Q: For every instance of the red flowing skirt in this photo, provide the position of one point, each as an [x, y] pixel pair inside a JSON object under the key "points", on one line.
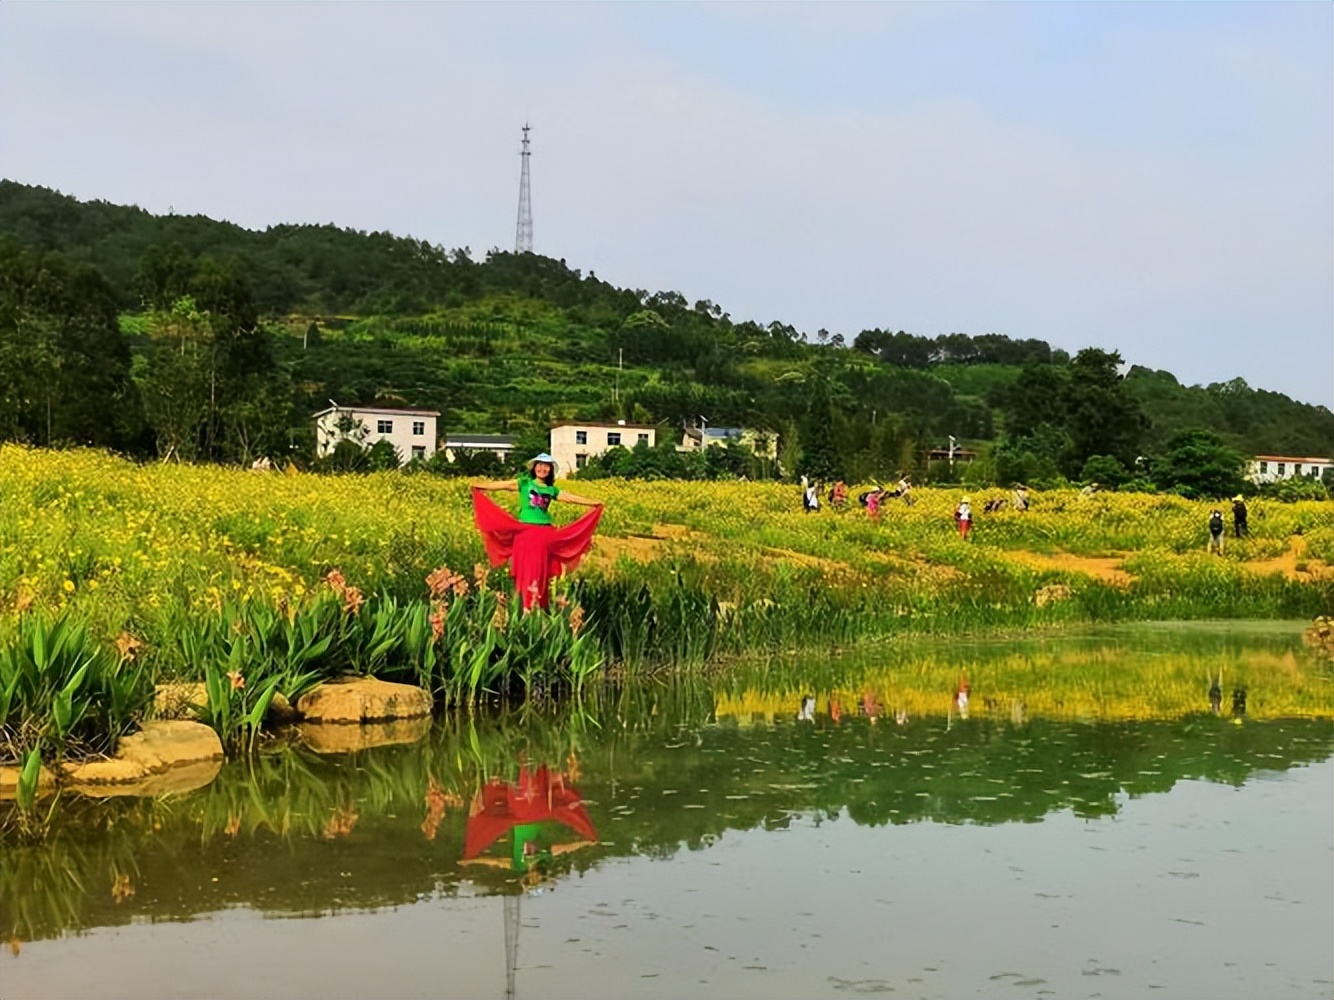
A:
{"points": [[535, 552]]}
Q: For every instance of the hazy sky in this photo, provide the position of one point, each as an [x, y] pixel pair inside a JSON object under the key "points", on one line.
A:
{"points": [[1156, 178]]}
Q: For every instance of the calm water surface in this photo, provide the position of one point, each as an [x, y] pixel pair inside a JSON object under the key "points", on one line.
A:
{"points": [[651, 846]]}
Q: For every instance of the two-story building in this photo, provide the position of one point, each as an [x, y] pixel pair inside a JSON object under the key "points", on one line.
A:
{"points": [[572, 445], [411, 432], [1271, 468]]}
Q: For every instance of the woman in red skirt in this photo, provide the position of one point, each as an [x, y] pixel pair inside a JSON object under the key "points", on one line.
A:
{"points": [[534, 547]]}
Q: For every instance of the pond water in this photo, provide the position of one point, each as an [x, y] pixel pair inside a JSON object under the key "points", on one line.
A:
{"points": [[698, 839]]}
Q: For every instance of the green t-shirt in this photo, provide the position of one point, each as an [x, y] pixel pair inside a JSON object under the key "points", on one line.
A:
{"points": [[535, 500]]}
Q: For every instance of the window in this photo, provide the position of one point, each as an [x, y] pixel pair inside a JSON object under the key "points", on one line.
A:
{"points": [[1296, 468], [580, 461], [1280, 468], [384, 426], [418, 451], [613, 438], [643, 439], [581, 437], [418, 428], [1264, 468]]}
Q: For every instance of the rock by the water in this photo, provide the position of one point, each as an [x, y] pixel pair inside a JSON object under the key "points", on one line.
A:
{"points": [[363, 699]]}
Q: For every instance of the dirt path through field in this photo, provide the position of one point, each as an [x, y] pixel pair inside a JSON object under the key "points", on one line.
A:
{"points": [[1105, 568], [1287, 563]]}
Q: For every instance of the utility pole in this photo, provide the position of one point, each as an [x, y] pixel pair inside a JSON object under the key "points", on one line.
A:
{"points": [[620, 363], [523, 233]]}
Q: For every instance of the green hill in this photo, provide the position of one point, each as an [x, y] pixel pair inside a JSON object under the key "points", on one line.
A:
{"points": [[228, 338]]}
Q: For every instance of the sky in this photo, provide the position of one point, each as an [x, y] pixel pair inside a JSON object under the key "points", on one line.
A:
{"points": [[1152, 178]]}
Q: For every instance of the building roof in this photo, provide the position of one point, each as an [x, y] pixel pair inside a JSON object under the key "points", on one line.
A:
{"points": [[610, 427], [480, 440], [1292, 458], [716, 432], [377, 409]]}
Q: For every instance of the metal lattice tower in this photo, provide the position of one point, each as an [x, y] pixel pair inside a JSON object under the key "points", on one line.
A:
{"points": [[523, 233]]}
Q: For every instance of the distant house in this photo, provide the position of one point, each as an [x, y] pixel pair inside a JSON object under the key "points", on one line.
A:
{"points": [[1271, 468], [759, 442], [498, 444], [411, 432], [964, 455], [572, 445]]}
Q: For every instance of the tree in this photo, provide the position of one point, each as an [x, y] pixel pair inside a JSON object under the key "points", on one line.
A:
{"points": [[64, 364], [1106, 470], [1100, 416], [174, 380], [1198, 464]]}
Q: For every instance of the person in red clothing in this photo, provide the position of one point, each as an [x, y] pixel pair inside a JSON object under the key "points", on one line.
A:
{"points": [[532, 544]]}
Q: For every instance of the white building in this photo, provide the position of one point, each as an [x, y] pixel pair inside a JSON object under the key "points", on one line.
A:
{"points": [[572, 445], [760, 443], [411, 432], [499, 445], [1272, 468]]}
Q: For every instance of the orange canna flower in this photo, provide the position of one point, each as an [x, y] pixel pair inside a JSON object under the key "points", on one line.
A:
{"points": [[238, 682], [352, 600], [128, 645]]}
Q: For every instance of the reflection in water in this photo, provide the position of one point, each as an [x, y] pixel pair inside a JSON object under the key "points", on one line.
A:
{"points": [[532, 811], [659, 768]]}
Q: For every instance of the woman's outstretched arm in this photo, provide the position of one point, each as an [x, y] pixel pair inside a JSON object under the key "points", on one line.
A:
{"points": [[577, 499], [507, 485]]}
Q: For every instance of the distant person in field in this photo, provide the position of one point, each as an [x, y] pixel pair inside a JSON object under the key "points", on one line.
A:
{"points": [[534, 547], [904, 491], [872, 500], [1239, 517], [1020, 499], [810, 499], [838, 496], [1089, 490], [963, 517], [961, 697], [1215, 531]]}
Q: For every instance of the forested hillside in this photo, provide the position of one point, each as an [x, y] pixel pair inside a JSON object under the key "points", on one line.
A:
{"points": [[187, 337]]}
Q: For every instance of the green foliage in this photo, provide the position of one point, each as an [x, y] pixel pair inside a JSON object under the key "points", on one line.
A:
{"points": [[64, 364], [1105, 470], [1198, 464], [60, 691]]}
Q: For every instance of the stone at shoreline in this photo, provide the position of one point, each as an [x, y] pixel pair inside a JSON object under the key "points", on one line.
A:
{"points": [[340, 737], [165, 755], [363, 699], [9, 780]]}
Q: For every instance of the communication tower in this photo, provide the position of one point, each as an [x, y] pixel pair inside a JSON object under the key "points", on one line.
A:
{"points": [[523, 233]]}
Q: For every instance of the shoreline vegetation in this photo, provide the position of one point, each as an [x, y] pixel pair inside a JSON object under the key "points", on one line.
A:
{"points": [[116, 577]]}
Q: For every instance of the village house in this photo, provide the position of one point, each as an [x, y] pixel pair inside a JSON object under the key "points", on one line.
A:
{"points": [[411, 432], [499, 445], [572, 445], [1271, 468], [760, 443]]}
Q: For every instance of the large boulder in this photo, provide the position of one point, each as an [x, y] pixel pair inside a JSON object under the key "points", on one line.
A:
{"points": [[363, 699]]}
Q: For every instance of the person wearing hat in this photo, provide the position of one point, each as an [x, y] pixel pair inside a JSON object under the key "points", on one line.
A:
{"points": [[1239, 516], [535, 548], [963, 517]]}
